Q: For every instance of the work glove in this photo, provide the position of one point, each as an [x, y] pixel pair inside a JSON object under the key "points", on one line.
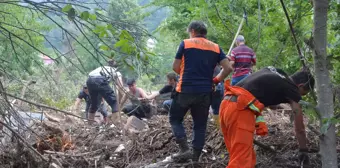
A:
{"points": [[216, 81], [303, 158], [261, 127]]}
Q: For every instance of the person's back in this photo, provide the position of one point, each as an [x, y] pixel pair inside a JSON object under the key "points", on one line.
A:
{"points": [[271, 87], [243, 56], [98, 86], [105, 71], [243, 59], [199, 57], [195, 62]]}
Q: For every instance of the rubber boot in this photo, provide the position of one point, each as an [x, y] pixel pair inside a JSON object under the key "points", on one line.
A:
{"points": [[115, 118], [91, 117], [196, 153], [184, 153]]}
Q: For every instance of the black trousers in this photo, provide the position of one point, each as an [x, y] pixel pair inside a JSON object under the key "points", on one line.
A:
{"points": [[99, 87], [199, 104], [140, 111]]}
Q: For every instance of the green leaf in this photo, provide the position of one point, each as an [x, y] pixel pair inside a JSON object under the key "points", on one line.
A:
{"points": [[98, 29], [334, 120], [104, 47], [121, 43], [71, 14], [93, 16], [85, 15], [112, 54], [102, 34], [67, 8], [126, 35]]}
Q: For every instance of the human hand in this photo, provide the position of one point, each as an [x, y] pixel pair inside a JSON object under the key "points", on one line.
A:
{"points": [[216, 81], [261, 129]]}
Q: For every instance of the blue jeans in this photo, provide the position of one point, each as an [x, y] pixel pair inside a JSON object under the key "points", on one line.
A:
{"points": [[199, 104], [167, 104], [235, 80]]}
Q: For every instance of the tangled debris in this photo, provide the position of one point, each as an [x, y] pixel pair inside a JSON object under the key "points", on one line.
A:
{"points": [[74, 144]]}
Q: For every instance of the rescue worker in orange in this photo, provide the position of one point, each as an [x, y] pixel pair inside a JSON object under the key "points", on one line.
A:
{"points": [[240, 111], [195, 61]]}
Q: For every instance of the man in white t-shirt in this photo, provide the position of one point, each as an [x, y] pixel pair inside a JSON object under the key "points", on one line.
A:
{"points": [[98, 86]]}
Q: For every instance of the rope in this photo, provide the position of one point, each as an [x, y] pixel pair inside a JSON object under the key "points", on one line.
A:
{"points": [[294, 37]]}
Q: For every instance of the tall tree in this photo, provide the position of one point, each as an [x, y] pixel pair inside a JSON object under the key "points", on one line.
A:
{"points": [[323, 83]]}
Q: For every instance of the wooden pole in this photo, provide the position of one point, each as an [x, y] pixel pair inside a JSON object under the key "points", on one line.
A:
{"points": [[238, 31]]}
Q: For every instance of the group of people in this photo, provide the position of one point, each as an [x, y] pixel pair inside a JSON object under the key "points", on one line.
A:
{"points": [[243, 99], [237, 104], [97, 90]]}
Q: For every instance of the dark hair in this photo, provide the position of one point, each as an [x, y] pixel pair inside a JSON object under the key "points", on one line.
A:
{"points": [[198, 27], [171, 76], [112, 63], [130, 82], [303, 77], [84, 87]]}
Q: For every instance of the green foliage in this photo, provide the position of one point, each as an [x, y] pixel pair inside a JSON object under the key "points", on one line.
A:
{"points": [[269, 35], [144, 82], [67, 8], [17, 55], [85, 15], [60, 104]]}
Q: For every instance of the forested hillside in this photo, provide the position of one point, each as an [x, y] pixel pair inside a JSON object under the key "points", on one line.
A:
{"points": [[49, 47]]}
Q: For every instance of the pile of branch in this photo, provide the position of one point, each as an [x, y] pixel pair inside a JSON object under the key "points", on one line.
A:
{"points": [[66, 141]]}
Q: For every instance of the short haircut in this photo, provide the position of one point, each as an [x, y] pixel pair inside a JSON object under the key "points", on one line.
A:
{"points": [[304, 77], [198, 27], [112, 63], [130, 82], [240, 38], [171, 76]]}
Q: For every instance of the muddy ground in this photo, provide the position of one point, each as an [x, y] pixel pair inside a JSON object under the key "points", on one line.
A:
{"points": [[78, 145]]}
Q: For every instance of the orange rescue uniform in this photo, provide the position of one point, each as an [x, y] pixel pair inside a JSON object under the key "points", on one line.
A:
{"points": [[237, 118]]}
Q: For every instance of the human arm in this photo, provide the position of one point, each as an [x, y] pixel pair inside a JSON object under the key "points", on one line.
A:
{"points": [[76, 104], [81, 96], [231, 58], [226, 68], [164, 90], [177, 64], [253, 58], [299, 125], [153, 95], [142, 94]]}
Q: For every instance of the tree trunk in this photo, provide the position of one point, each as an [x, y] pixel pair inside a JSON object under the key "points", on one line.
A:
{"points": [[323, 83]]}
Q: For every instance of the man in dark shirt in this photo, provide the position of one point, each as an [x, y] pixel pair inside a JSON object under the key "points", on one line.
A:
{"points": [[195, 61], [84, 94], [242, 59], [169, 88], [267, 87]]}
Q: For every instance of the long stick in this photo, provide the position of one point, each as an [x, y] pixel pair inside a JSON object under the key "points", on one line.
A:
{"points": [[238, 31], [41, 105], [293, 33]]}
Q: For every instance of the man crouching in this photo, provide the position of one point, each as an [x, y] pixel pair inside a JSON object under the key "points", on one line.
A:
{"points": [[240, 111]]}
